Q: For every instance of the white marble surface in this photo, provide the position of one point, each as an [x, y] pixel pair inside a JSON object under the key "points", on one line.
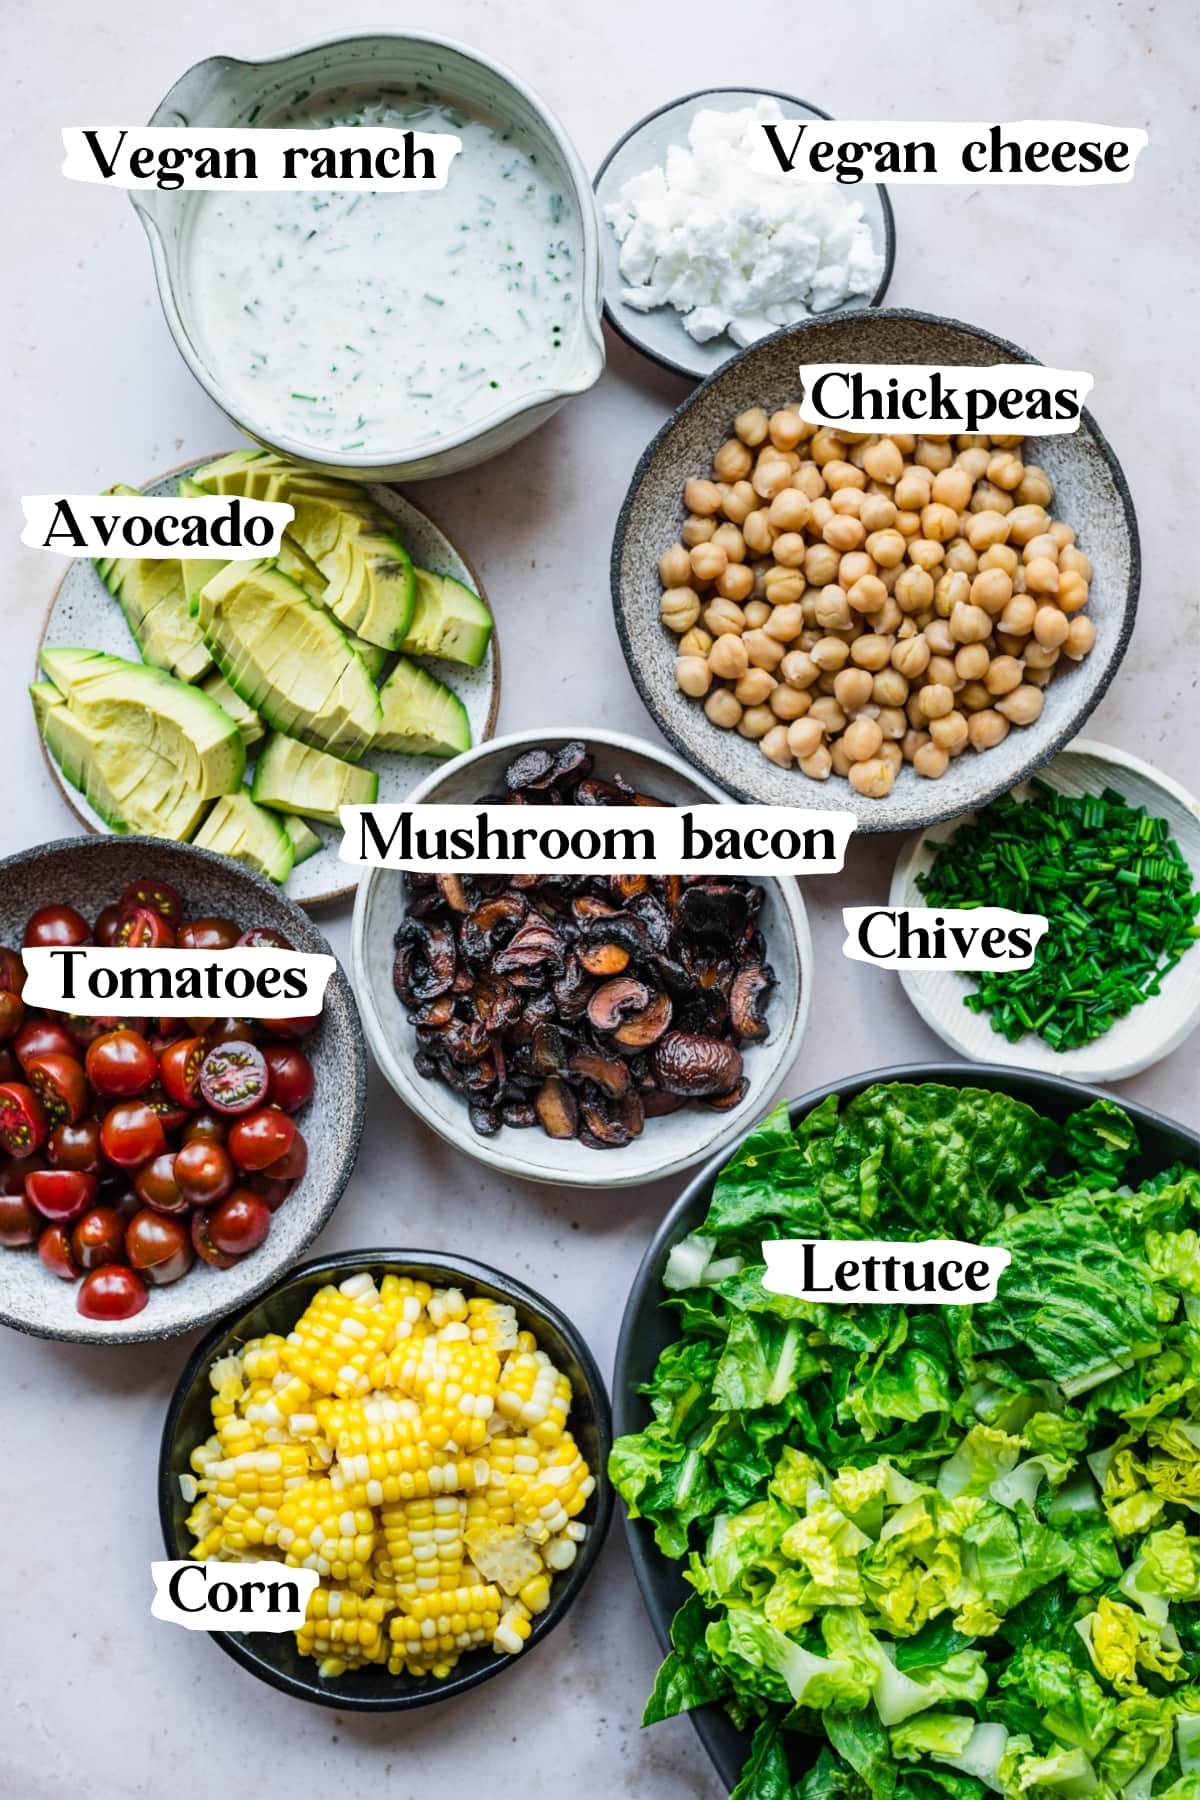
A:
{"points": [[97, 1697]]}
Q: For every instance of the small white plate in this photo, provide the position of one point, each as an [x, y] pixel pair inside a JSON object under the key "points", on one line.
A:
{"points": [[84, 613], [1152, 1030], [660, 334]]}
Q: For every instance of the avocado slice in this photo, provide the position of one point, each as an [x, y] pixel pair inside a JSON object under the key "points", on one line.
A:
{"points": [[288, 659], [44, 695], [305, 841], [131, 790], [421, 715], [238, 473], [448, 620], [152, 594], [238, 828], [293, 777], [150, 713], [244, 717], [372, 590]]}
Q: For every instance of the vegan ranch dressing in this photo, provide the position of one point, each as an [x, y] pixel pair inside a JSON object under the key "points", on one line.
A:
{"points": [[367, 321]]}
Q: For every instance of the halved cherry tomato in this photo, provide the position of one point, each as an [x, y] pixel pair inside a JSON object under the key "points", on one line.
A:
{"points": [[160, 1249], [52, 926], [132, 1134], [22, 1121], [239, 1223], [233, 1078], [203, 1244], [19, 1222], [147, 890], [264, 937], [207, 934], [121, 1064], [204, 1173], [60, 1085], [169, 1112], [261, 1138], [273, 1192], [12, 1015], [54, 1249], [43, 1037], [157, 1187], [291, 1164], [98, 1237], [61, 1194], [141, 928], [111, 1293], [75, 1146], [12, 972], [289, 1076], [179, 1070], [105, 930]]}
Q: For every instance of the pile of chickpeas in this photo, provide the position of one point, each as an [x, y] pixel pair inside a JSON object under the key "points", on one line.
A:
{"points": [[853, 603]]}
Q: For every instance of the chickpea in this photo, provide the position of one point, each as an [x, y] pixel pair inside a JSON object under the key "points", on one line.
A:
{"points": [[883, 462], [872, 778], [675, 567], [1041, 545], [799, 669], [842, 533], [911, 742], [913, 489], [1025, 522], [757, 534], [826, 711], [911, 657], [862, 739], [986, 729], [679, 608], [783, 587], [822, 512], [785, 623], [886, 548], [877, 512], [991, 591], [833, 609], [774, 746], [950, 734], [757, 613], [913, 590], [724, 616], [696, 642], [892, 755], [951, 590], [952, 487], [808, 479], [939, 637], [751, 426], [1036, 487], [969, 624], [871, 651], [1081, 635], [1006, 471], [1073, 560], [1041, 575], [990, 498], [933, 453], [838, 757], [826, 447], [935, 701], [709, 561], [1039, 657], [1003, 675], [1018, 616], [702, 497], [729, 658], [756, 721], [1050, 627], [738, 502], [972, 662], [821, 565], [972, 697], [893, 722], [723, 708], [731, 541], [1072, 591], [938, 522], [817, 766], [830, 654], [961, 557], [843, 475], [755, 687], [764, 651], [888, 687], [923, 553], [888, 620], [697, 530], [733, 461], [790, 510], [805, 736], [772, 473], [868, 595], [942, 670], [1062, 533], [789, 550], [985, 528], [1022, 706], [931, 761], [735, 582], [786, 428], [907, 522], [852, 689]]}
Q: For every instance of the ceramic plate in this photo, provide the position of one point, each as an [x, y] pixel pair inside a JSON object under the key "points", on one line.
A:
{"points": [[660, 334], [1148, 1033], [83, 612], [1091, 493], [89, 873]]}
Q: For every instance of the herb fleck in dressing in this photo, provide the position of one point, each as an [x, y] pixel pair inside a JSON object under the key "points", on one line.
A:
{"points": [[367, 321]]}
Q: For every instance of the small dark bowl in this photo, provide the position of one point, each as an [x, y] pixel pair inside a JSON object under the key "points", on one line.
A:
{"points": [[272, 1656], [647, 1328]]}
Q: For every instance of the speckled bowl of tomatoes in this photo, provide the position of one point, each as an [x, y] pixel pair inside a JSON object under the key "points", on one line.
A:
{"points": [[157, 1173]]}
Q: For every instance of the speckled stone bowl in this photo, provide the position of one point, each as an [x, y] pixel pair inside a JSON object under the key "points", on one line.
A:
{"points": [[88, 873], [1091, 494]]}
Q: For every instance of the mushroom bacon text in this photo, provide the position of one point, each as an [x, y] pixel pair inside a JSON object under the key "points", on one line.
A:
{"points": [[584, 1004]]}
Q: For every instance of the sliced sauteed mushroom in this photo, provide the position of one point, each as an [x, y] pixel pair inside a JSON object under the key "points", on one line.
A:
{"points": [[583, 1004]]}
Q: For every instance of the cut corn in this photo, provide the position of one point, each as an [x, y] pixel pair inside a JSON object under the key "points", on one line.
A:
{"points": [[411, 1445]]}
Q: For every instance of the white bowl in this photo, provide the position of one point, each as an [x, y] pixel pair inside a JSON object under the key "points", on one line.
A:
{"points": [[667, 1144], [1152, 1030]]}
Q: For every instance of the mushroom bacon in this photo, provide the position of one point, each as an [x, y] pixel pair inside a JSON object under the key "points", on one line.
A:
{"points": [[583, 1004]]}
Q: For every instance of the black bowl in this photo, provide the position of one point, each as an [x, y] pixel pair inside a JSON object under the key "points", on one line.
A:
{"points": [[647, 1329], [273, 1657]]}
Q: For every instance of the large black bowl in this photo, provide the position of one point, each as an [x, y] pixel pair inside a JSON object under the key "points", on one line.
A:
{"points": [[273, 1656], [647, 1328]]}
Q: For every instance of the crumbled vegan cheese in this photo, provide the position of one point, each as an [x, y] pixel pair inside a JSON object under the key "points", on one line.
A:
{"points": [[732, 249]]}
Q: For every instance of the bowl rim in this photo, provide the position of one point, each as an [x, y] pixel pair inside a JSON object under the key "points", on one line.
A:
{"points": [[334, 896], [232, 1643], [394, 1063], [710, 1722], [591, 361], [133, 1332], [869, 822], [624, 332], [943, 1022]]}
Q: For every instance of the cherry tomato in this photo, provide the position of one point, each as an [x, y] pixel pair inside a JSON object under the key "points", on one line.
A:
{"points": [[207, 934], [61, 1194], [141, 928], [12, 972], [54, 1249], [157, 1187], [160, 1249], [105, 929], [114, 1292], [98, 1237], [58, 1082], [10, 1068], [206, 1128], [289, 1076], [20, 1223], [261, 1138], [239, 1223], [160, 896], [75, 1146], [22, 1120], [264, 937], [296, 1028], [120, 1064], [291, 1164], [204, 1173], [179, 1070], [171, 1115], [233, 1078], [86, 1031], [228, 1031], [203, 1244], [273, 1192], [43, 1037], [132, 1134], [54, 926], [12, 1015]]}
